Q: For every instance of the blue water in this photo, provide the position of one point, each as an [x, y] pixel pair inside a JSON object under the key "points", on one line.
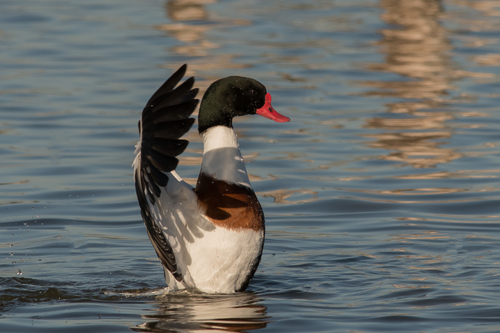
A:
{"points": [[381, 196]]}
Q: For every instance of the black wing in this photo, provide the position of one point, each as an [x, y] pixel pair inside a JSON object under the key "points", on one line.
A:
{"points": [[164, 120]]}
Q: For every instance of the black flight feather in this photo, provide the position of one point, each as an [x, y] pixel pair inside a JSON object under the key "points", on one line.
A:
{"points": [[169, 84], [172, 97], [164, 120]]}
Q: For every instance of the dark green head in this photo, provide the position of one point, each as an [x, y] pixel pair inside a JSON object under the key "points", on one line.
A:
{"points": [[231, 97]]}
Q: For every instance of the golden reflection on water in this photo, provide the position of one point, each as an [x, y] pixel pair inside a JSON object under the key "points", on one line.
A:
{"points": [[417, 49], [415, 128], [455, 174], [282, 196], [186, 10], [486, 21], [195, 44], [487, 8]]}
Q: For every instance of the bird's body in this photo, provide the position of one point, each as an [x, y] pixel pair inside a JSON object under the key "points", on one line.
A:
{"points": [[209, 237]]}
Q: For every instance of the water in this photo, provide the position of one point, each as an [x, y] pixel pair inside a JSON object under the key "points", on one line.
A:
{"points": [[381, 196]]}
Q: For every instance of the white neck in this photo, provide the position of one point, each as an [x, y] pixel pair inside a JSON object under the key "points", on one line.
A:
{"points": [[222, 157], [219, 137]]}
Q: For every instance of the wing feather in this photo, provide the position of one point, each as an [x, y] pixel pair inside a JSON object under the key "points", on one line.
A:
{"points": [[164, 120]]}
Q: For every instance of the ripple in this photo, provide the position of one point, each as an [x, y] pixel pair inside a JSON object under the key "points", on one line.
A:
{"points": [[380, 195]]}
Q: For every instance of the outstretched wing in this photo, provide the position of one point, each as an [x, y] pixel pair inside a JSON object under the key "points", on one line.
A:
{"points": [[164, 120]]}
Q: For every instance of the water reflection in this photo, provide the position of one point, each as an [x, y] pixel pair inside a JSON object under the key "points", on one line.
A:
{"points": [[182, 312], [187, 10], [481, 16], [283, 195], [189, 23], [181, 13], [417, 48]]}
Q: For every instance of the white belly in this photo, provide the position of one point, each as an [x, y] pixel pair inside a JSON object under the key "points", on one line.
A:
{"points": [[220, 261]]}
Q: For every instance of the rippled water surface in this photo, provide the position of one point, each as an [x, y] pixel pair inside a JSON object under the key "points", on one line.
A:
{"points": [[382, 196]]}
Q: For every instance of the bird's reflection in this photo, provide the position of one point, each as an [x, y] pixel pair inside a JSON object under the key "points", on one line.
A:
{"points": [[185, 312]]}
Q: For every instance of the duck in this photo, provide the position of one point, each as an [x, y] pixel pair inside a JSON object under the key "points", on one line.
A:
{"points": [[210, 237]]}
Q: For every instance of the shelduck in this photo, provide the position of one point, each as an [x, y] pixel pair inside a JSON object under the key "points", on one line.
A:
{"points": [[210, 237]]}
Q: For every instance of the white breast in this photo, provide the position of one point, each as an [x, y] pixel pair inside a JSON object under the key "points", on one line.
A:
{"points": [[221, 260], [222, 157]]}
